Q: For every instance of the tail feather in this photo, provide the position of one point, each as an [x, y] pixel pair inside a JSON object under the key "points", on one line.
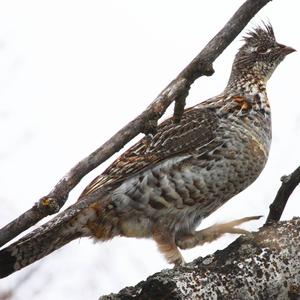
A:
{"points": [[62, 229], [37, 244]]}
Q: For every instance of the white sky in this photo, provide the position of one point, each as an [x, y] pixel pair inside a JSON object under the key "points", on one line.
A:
{"points": [[74, 72]]}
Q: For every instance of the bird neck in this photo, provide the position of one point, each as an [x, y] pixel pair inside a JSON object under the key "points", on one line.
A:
{"points": [[246, 95], [247, 84], [243, 96]]}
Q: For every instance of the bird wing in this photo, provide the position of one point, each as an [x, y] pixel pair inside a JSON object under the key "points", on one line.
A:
{"points": [[195, 130]]}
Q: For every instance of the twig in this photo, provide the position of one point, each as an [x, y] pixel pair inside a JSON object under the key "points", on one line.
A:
{"points": [[288, 185], [146, 122]]}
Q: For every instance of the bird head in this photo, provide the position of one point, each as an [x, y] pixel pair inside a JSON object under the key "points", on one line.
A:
{"points": [[260, 54]]}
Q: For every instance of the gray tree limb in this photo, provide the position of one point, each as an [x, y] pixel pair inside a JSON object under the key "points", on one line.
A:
{"points": [[262, 265], [146, 122]]}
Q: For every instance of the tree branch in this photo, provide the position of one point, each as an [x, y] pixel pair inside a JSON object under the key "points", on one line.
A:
{"points": [[288, 185], [262, 265], [146, 122]]}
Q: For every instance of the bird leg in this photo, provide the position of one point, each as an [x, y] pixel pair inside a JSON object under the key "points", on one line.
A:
{"points": [[209, 234], [167, 246]]}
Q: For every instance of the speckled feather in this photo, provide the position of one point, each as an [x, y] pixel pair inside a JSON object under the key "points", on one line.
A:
{"points": [[196, 130], [165, 184]]}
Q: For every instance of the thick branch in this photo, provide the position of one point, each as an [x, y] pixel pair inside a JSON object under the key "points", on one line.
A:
{"points": [[146, 122], [262, 265], [288, 185]]}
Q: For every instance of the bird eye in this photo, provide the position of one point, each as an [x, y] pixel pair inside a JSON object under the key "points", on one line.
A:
{"points": [[262, 49]]}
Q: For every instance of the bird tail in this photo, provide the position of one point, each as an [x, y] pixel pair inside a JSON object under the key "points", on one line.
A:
{"points": [[39, 243]]}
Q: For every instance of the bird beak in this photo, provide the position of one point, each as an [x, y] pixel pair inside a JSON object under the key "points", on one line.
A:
{"points": [[286, 49]]}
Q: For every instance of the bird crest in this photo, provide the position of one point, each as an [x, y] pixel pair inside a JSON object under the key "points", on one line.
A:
{"points": [[260, 35]]}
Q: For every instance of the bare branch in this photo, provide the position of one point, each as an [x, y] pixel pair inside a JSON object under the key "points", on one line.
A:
{"points": [[253, 267], [288, 185], [146, 122]]}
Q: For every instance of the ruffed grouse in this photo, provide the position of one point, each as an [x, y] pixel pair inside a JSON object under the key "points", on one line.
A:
{"points": [[165, 184]]}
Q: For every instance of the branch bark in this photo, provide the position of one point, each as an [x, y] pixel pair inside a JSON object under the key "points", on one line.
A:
{"points": [[262, 265], [146, 122]]}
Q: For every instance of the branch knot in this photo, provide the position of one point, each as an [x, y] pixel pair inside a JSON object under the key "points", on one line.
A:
{"points": [[49, 205]]}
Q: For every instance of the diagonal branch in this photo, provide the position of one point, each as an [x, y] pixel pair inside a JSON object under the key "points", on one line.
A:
{"points": [[146, 122]]}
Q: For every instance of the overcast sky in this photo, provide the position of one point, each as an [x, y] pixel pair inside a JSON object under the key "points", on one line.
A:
{"points": [[74, 72]]}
